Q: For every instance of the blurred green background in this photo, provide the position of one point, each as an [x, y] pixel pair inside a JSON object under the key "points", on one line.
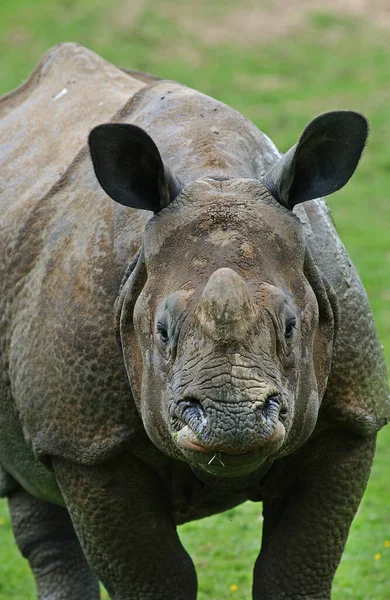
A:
{"points": [[280, 64]]}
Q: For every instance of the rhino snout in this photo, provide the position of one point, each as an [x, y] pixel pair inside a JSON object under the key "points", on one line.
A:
{"points": [[227, 427]]}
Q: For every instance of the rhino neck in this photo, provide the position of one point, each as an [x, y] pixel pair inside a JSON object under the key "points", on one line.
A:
{"points": [[200, 137]]}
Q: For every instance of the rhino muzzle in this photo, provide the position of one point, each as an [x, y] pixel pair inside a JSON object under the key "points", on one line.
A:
{"points": [[230, 428]]}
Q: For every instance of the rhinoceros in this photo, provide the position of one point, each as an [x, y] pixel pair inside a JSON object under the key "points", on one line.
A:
{"points": [[200, 341]]}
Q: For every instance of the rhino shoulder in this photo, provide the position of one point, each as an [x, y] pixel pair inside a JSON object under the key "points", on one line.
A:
{"points": [[357, 394]]}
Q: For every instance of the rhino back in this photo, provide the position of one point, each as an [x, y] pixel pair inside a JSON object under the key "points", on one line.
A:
{"points": [[198, 136], [45, 122]]}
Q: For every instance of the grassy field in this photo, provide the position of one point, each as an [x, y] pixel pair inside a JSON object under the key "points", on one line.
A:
{"points": [[285, 65]]}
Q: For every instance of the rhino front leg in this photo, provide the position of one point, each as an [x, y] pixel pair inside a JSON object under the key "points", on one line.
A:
{"points": [[45, 536], [120, 513], [305, 530]]}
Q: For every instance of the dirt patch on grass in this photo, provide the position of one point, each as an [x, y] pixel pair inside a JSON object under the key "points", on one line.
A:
{"points": [[251, 24], [18, 37], [125, 14]]}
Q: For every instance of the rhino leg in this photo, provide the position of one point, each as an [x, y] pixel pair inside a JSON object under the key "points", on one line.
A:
{"points": [[121, 514], [45, 536], [306, 527]]}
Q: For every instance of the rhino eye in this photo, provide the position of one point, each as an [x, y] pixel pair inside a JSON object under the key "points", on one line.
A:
{"points": [[290, 326], [162, 330]]}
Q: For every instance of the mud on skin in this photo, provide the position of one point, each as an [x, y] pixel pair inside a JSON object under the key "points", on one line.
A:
{"points": [[181, 330]]}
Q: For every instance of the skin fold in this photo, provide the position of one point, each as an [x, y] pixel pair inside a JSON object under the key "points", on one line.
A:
{"points": [[197, 339]]}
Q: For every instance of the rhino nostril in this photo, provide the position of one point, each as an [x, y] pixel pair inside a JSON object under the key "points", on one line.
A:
{"points": [[272, 404], [190, 409], [189, 401], [272, 399], [283, 413]]}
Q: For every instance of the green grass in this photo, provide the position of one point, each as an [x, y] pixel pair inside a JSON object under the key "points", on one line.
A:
{"points": [[330, 61]]}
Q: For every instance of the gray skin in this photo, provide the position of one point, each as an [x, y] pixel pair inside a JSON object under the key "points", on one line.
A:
{"points": [[155, 375]]}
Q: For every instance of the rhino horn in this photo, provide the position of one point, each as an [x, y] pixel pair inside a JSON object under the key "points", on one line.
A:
{"points": [[226, 309]]}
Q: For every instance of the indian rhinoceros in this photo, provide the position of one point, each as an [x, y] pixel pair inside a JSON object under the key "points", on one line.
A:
{"points": [[201, 341]]}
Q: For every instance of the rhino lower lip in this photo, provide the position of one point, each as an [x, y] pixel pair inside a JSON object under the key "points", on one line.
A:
{"points": [[187, 439], [194, 446]]}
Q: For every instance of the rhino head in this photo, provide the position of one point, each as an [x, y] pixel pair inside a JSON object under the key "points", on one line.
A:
{"points": [[226, 324]]}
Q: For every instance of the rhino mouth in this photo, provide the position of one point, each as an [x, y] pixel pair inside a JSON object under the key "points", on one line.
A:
{"points": [[196, 438], [225, 464]]}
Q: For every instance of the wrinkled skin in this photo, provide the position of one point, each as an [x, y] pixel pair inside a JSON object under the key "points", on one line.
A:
{"points": [[154, 375]]}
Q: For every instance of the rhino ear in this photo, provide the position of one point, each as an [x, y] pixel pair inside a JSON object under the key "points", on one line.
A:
{"points": [[322, 161], [129, 167]]}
